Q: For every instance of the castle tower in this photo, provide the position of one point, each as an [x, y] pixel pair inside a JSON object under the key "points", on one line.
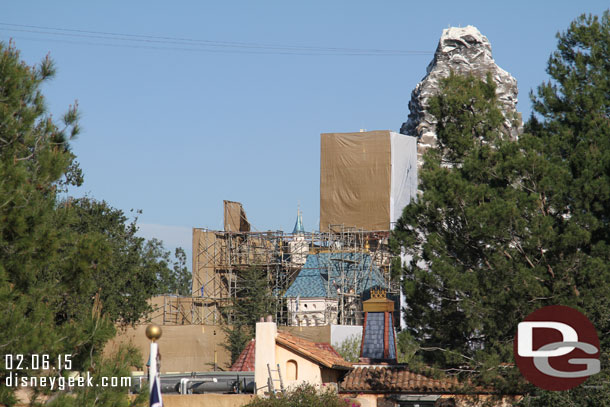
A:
{"points": [[378, 337], [298, 226], [299, 249]]}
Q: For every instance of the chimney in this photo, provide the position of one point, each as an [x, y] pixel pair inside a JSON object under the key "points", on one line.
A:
{"points": [[378, 337], [264, 353]]}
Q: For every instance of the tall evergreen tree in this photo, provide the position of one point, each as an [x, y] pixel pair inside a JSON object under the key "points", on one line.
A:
{"points": [[504, 227], [69, 270], [573, 128], [34, 157]]}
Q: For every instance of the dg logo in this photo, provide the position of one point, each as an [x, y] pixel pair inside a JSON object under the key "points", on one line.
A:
{"points": [[556, 348]]}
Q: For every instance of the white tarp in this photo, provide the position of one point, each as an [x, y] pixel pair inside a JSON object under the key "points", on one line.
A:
{"points": [[404, 173]]}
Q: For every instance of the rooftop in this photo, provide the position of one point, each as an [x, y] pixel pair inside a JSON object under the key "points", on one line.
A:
{"points": [[322, 353], [314, 280], [393, 379], [319, 352], [245, 360]]}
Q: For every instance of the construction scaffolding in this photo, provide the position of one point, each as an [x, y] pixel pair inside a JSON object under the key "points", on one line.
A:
{"points": [[220, 257]]}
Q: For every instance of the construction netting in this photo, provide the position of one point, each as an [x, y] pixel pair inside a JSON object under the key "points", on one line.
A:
{"points": [[366, 178]]}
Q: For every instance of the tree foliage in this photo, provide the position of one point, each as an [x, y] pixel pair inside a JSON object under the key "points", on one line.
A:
{"points": [[305, 395], [504, 227], [573, 128], [69, 270], [127, 269], [117, 365], [253, 301], [349, 348]]}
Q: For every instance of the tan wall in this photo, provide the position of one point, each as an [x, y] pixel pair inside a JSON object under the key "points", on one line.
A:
{"points": [[202, 400], [307, 371], [183, 348], [173, 310], [264, 354], [190, 348]]}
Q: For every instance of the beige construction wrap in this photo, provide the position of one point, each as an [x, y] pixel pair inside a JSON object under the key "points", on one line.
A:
{"points": [[355, 180], [366, 178]]}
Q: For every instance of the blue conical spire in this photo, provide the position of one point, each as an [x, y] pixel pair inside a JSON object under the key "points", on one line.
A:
{"points": [[298, 226]]}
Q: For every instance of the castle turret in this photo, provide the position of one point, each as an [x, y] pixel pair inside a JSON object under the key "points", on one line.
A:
{"points": [[299, 249], [298, 226]]}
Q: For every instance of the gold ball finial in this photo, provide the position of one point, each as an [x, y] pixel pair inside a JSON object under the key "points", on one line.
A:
{"points": [[153, 332]]}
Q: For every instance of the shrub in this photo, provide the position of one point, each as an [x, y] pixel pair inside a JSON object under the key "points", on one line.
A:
{"points": [[305, 395]]}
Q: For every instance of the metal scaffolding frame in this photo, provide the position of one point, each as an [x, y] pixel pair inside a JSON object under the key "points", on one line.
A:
{"points": [[219, 258]]}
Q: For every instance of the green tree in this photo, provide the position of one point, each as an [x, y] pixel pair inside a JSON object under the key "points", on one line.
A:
{"points": [[127, 269], [253, 301], [35, 160], [573, 128], [172, 276], [115, 366], [462, 282], [504, 227], [349, 348], [406, 346], [69, 270]]}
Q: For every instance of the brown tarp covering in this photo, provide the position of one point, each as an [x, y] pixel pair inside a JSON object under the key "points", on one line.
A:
{"points": [[235, 219], [206, 256], [355, 180]]}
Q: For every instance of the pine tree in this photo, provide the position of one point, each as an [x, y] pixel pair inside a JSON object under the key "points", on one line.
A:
{"points": [[35, 160], [466, 232], [253, 301], [572, 125], [69, 270], [504, 227]]}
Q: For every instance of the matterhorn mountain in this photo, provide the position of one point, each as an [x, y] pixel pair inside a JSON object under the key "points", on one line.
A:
{"points": [[463, 51]]}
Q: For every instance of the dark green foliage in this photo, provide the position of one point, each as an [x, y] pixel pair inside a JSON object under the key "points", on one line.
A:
{"points": [[574, 132], [126, 269], [117, 366], [252, 302], [34, 156], [504, 227], [465, 279], [71, 270], [306, 396], [407, 346]]}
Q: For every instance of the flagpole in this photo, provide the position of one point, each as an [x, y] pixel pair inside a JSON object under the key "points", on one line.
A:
{"points": [[153, 332]]}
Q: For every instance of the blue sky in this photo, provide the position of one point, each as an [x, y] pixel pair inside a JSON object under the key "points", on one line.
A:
{"points": [[173, 131]]}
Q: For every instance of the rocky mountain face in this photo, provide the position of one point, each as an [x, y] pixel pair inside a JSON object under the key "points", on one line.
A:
{"points": [[463, 51]]}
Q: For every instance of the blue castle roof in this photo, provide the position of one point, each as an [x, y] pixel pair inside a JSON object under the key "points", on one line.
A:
{"points": [[360, 272], [298, 226]]}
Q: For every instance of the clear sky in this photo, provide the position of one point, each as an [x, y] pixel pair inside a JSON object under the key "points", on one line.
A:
{"points": [[173, 127]]}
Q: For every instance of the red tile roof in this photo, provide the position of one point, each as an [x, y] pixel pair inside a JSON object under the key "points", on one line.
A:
{"points": [[319, 352], [391, 379], [245, 360]]}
